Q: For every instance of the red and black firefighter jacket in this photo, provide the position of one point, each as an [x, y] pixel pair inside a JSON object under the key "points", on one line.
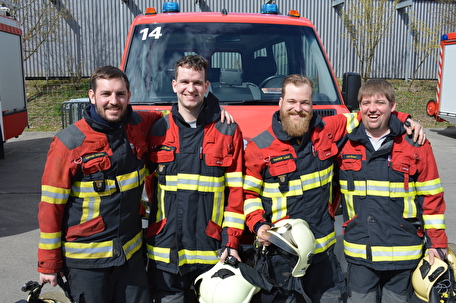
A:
{"points": [[289, 177], [91, 193], [197, 204], [392, 200]]}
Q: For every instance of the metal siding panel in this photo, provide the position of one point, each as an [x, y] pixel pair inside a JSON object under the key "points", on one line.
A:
{"points": [[95, 33]]}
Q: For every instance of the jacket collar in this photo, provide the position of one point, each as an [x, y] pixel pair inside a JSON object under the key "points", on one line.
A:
{"points": [[359, 133], [210, 111], [95, 121]]}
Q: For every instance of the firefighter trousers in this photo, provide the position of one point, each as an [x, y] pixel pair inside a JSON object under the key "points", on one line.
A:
{"points": [[120, 284], [367, 285]]}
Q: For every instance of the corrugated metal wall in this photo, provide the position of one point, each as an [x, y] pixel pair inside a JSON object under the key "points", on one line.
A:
{"points": [[93, 34]]}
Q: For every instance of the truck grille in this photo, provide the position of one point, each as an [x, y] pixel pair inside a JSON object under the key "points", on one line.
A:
{"points": [[325, 112]]}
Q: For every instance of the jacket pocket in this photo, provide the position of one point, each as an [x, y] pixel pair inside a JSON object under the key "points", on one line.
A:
{"points": [[85, 229], [350, 224], [328, 151], [95, 163], [155, 228], [214, 230], [351, 162], [282, 165], [218, 159], [404, 167], [163, 154]]}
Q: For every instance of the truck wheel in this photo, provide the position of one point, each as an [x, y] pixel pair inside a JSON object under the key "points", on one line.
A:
{"points": [[430, 108]]}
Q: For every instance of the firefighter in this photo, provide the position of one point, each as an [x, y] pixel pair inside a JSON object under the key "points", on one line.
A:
{"points": [[393, 203], [89, 214], [197, 200], [289, 174]]}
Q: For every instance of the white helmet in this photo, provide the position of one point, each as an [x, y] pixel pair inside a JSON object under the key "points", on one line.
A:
{"points": [[295, 237], [224, 283], [432, 283]]}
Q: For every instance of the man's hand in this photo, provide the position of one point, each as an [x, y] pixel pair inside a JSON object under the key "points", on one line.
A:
{"points": [[262, 240], [229, 252], [412, 127], [225, 116], [433, 252], [49, 278]]}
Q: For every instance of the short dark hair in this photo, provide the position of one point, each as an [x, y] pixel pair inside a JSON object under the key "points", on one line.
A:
{"points": [[195, 62], [296, 80], [377, 86], [108, 72]]}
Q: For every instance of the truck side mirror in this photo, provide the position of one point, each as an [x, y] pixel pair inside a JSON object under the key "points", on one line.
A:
{"points": [[351, 82]]}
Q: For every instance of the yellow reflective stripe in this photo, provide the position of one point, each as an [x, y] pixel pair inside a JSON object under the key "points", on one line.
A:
{"points": [[98, 250], [187, 256], [218, 207], [84, 189], [54, 195], [234, 179], [355, 250], [131, 180], [133, 245], [322, 244], [234, 220], [396, 253], [158, 253], [434, 221], [90, 208], [252, 184], [410, 209], [379, 188], [194, 182], [352, 122], [297, 187], [161, 204], [278, 208], [50, 240], [349, 206], [431, 187], [251, 205], [384, 253], [317, 179]]}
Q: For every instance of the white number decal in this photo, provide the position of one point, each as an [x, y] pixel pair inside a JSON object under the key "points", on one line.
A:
{"points": [[155, 33]]}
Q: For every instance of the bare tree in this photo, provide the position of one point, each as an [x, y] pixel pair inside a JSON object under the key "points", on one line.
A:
{"points": [[367, 22], [39, 25]]}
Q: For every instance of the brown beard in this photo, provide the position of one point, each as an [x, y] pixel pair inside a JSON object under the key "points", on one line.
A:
{"points": [[293, 129]]}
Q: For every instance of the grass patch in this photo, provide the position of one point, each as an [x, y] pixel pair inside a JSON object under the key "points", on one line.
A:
{"points": [[44, 99]]}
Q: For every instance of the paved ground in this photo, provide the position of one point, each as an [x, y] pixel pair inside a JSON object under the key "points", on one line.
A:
{"points": [[20, 174]]}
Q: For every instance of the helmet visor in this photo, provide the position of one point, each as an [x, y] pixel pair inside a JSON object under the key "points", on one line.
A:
{"points": [[282, 238]]}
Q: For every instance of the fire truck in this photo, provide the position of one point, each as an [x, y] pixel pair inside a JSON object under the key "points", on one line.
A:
{"points": [[13, 103], [444, 108], [249, 55]]}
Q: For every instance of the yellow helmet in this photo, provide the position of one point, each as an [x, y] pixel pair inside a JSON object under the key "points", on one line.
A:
{"points": [[224, 283], [294, 237], [435, 283]]}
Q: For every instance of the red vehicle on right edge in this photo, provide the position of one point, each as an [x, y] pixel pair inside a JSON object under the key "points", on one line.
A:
{"points": [[444, 108]]}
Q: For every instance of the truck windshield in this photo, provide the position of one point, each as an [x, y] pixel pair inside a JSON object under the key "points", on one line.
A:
{"points": [[247, 61]]}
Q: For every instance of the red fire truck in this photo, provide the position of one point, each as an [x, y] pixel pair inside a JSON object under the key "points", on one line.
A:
{"points": [[249, 56], [444, 108], [13, 103]]}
